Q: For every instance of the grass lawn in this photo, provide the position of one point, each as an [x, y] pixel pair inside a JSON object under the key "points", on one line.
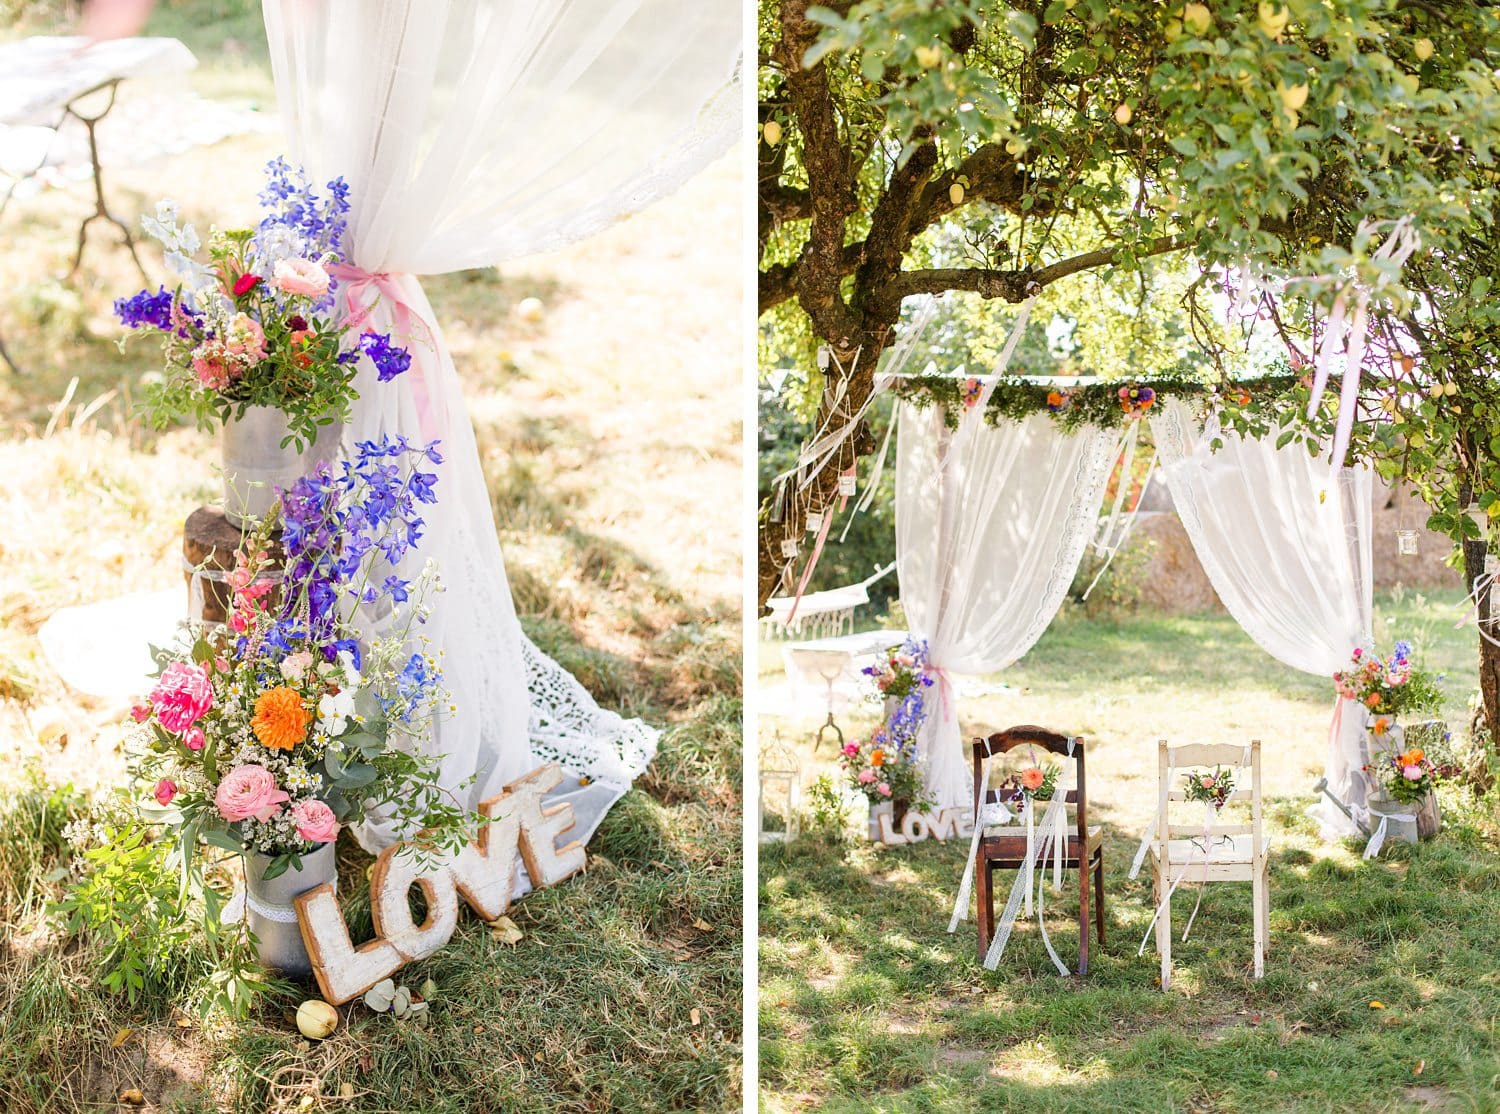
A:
{"points": [[609, 429], [866, 1003]]}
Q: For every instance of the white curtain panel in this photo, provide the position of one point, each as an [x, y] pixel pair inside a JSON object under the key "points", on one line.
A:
{"points": [[991, 522], [1286, 544], [472, 132]]}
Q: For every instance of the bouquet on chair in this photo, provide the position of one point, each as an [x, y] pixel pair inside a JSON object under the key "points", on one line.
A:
{"points": [[265, 737], [1209, 789], [255, 324]]}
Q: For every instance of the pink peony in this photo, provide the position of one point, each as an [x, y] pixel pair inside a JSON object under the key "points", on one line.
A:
{"points": [[1411, 773], [866, 776], [883, 789], [193, 738], [166, 789], [248, 791], [315, 821], [851, 749], [300, 276], [182, 696]]}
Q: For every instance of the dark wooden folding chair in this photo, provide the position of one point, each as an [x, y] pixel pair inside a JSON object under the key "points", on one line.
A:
{"points": [[1007, 850]]}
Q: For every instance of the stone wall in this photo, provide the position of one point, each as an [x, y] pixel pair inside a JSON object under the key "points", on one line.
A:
{"points": [[1174, 582]]}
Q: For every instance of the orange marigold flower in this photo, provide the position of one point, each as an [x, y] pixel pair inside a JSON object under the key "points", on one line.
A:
{"points": [[877, 757], [281, 718]]}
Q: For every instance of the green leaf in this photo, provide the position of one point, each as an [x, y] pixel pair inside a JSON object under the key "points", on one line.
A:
{"points": [[356, 776]]}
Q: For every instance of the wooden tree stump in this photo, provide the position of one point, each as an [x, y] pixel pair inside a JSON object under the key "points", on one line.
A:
{"points": [[209, 543]]}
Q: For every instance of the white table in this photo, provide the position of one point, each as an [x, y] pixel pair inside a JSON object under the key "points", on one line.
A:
{"points": [[45, 79]]}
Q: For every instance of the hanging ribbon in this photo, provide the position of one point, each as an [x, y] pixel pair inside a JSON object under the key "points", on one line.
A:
{"points": [[363, 291], [812, 563], [1008, 920], [1030, 811], [1377, 841], [985, 815], [1398, 247]]}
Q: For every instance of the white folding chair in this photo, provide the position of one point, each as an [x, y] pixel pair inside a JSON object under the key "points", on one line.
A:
{"points": [[1209, 851]]}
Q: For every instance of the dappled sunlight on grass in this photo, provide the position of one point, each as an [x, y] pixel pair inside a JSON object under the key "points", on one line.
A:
{"points": [[1416, 930]]}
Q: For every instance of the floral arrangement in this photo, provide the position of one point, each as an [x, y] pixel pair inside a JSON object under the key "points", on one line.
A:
{"points": [[1407, 777], [1058, 401], [884, 768], [1388, 687], [1034, 783], [1135, 400], [255, 325], [972, 389], [903, 672], [1209, 789], [272, 733]]}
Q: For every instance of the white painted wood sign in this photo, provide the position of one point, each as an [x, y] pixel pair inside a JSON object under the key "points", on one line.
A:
{"points": [[945, 824], [483, 874]]}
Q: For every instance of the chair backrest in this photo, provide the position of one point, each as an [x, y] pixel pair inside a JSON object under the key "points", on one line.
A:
{"points": [[1002, 742], [1173, 762]]}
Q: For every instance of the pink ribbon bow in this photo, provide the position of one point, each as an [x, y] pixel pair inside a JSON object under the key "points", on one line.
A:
{"points": [[363, 290]]}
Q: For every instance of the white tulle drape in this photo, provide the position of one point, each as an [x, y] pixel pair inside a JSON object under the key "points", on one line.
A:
{"points": [[991, 522], [472, 132], [1287, 546]]}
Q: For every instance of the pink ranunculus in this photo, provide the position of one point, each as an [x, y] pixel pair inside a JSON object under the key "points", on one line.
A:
{"points": [[193, 738], [182, 696], [315, 821], [883, 789], [166, 789], [248, 791], [851, 749], [300, 276], [866, 776], [1411, 773]]}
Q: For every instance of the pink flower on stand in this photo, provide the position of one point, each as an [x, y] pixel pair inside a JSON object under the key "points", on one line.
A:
{"points": [[866, 776], [182, 696], [248, 791], [851, 749], [166, 789], [1412, 773], [883, 789], [315, 821], [300, 276]]}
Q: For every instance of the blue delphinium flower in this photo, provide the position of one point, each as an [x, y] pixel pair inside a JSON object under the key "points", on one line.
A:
{"points": [[334, 520], [1401, 651], [300, 222], [146, 309], [390, 360]]}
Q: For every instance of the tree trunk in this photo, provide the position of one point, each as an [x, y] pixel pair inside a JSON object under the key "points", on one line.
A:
{"points": [[821, 494], [1489, 653]]}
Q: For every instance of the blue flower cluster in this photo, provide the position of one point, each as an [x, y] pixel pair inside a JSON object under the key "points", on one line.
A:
{"points": [[335, 522], [1401, 651], [414, 682], [146, 309], [390, 360], [300, 221]]}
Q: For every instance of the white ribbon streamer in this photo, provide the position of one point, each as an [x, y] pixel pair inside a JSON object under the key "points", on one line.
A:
{"points": [[1377, 841], [985, 815]]}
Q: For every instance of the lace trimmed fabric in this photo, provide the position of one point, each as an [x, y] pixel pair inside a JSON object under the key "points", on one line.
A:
{"points": [[473, 132]]}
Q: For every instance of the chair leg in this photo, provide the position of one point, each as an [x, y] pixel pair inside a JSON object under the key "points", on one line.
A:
{"points": [[1257, 895], [984, 905], [1083, 916], [1164, 931], [1099, 900]]}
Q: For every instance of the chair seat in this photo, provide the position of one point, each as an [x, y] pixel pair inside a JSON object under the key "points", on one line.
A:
{"points": [[1237, 850], [1011, 846]]}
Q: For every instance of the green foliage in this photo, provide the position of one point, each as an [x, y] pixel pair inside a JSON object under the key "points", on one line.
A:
{"points": [[828, 812]]}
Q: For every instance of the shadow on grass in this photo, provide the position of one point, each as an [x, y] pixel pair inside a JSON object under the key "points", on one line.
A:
{"points": [[867, 1003]]}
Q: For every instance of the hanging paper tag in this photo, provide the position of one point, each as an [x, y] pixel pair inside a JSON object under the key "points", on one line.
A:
{"points": [[848, 486], [814, 522], [788, 548]]}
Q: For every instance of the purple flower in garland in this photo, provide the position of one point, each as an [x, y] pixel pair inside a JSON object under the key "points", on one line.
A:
{"points": [[390, 360]]}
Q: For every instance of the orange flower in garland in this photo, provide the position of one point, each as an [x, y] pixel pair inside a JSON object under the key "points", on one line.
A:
{"points": [[877, 757], [281, 718]]}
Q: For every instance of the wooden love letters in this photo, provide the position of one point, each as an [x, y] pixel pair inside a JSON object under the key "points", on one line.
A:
{"points": [[483, 874], [917, 826]]}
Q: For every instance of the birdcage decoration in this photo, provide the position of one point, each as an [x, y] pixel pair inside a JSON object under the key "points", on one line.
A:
{"points": [[780, 794]]}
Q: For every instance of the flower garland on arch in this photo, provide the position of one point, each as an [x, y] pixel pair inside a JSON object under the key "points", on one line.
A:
{"points": [[1104, 403]]}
